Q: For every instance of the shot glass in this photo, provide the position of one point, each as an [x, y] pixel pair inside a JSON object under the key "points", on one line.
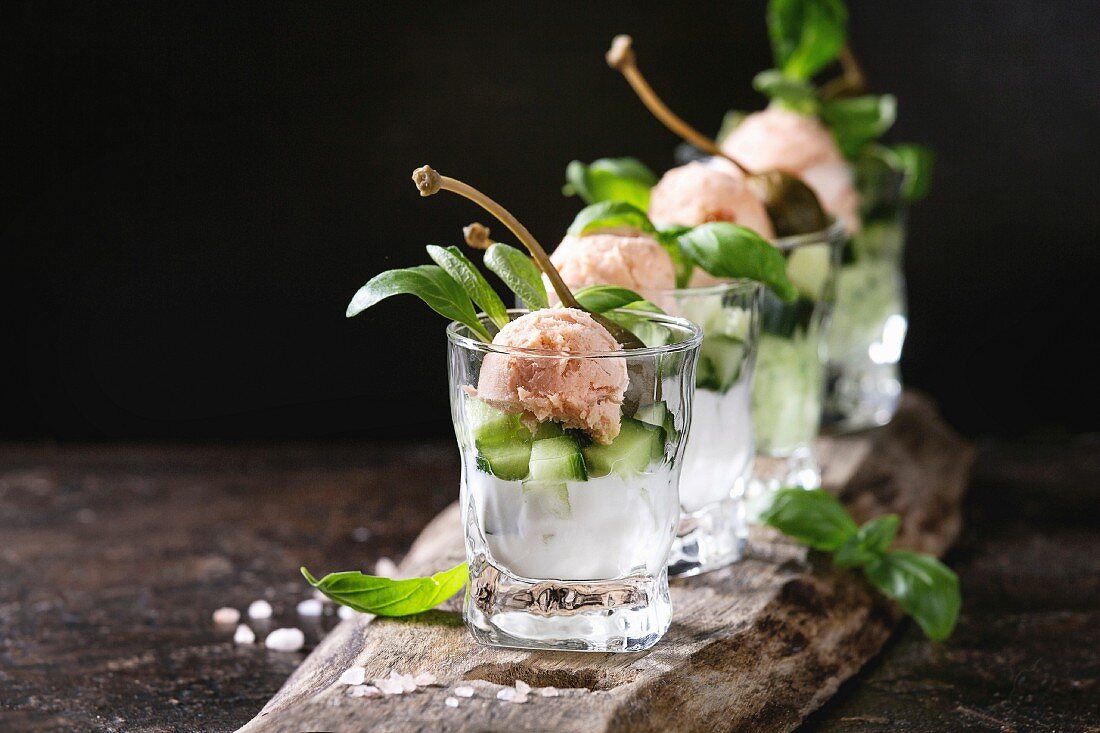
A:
{"points": [[568, 540], [789, 381], [869, 321], [719, 456]]}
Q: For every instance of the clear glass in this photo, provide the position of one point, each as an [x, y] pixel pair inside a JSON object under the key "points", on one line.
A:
{"points": [[719, 457], [568, 547], [789, 382], [870, 320]]}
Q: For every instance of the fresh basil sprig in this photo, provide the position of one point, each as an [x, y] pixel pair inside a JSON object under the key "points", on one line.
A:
{"points": [[604, 298], [431, 284], [799, 95], [915, 162], [857, 121], [924, 587], [462, 271], [389, 597], [806, 35], [610, 179], [609, 215], [519, 273], [725, 249]]}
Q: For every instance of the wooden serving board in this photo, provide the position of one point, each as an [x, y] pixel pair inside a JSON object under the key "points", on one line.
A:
{"points": [[756, 646]]}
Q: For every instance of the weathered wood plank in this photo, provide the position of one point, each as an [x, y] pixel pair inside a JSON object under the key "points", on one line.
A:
{"points": [[756, 646]]}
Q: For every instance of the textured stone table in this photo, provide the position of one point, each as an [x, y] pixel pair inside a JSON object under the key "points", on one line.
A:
{"points": [[112, 559]]}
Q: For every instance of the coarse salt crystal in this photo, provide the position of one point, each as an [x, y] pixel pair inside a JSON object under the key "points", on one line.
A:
{"points": [[522, 687], [310, 607], [425, 679], [386, 568], [464, 691], [285, 640], [353, 676], [518, 699], [389, 686], [259, 609], [364, 691], [507, 694], [549, 692], [226, 616], [408, 682], [451, 702], [345, 612], [321, 596], [244, 635]]}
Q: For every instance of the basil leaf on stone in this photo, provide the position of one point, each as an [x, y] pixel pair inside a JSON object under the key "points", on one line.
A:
{"points": [[431, 284], [610, 179], [869, 543], [519, 273], [604, 298], [729, 250], [610, 215], [796, 94], [813, 517], [806, 35], [389, 597], [916, 163], [924, 587], [463, 272], [857, 121]]}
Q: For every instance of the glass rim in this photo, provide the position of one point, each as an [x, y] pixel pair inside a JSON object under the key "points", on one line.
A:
{"points": [[833, 234], [732, 285], [455, 337]]}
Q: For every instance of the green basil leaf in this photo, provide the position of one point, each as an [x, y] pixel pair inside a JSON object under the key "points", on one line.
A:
{"points": [[462, 271], [519, 273], [608, 215], [729, 250], [872, 540], [916, 163], [806, 35], [796, 94], [857, 121], [681, 263], [813, 517], [927, 589], [388, 597], [610, 179], [431, 284], [604, 298]]}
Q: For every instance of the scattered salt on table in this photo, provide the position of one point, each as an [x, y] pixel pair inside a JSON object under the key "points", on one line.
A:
{"points": [[364, 691], [310, 607], [386, 568], [345, 612], [451, 702], [244, 635], [549, 692], [522, 687], [464, 691], [285, 640], [425, 679], [259, 609], [353, 676], [226, 616]]}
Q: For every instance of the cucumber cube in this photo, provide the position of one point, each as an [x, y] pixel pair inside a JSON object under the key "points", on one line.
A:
{"points": [[719, 363], [557, 459], [637, 446], [658, 415], [508, 461]]}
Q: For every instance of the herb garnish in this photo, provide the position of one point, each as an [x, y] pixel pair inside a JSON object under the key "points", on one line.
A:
{"points": [[389, 597]]}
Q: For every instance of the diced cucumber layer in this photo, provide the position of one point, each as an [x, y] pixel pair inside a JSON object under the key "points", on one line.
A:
{"points": [[551, 497], [719, 364], [490, 425], [557, 459], [637, 446], [508, 461], [658, 415]]}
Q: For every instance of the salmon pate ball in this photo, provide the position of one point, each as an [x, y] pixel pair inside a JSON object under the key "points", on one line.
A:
{"points": [[698, 193], [582, 393], [627, 258]]}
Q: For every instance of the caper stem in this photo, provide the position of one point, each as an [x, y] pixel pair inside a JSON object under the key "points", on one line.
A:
{"points": [[430, 182], [851, 82], [621, 57]]}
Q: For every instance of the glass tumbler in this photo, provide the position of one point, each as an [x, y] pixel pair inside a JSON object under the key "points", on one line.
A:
{"points": [[719, 457], [568, 539], [869, 321], [789, 382]]}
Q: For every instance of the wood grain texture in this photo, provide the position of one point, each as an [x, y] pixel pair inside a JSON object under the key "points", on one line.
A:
{"points": [[756, 646]]}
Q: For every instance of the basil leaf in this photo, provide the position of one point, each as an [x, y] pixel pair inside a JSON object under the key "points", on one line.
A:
{"points": [[519, 273], [869, 543], [729, 250], [796, 94], [806, 35], [388, 597], [682, 265], [927, 589], [916, 164], [610, 179], [859, 120], [604, 298], [813, 517], [608, 215], [431, 284], [462, 271]]}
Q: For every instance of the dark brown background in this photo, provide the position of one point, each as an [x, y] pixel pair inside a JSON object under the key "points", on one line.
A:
{"points": [[190, 194]]}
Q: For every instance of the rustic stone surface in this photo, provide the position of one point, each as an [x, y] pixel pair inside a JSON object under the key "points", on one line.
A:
{"points": [[758, 645], [140, 545]]}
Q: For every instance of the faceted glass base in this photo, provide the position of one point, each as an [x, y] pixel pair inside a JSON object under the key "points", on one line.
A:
{"points": [[622, 615], [863, 397], [709, 538], [799, 470]]}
